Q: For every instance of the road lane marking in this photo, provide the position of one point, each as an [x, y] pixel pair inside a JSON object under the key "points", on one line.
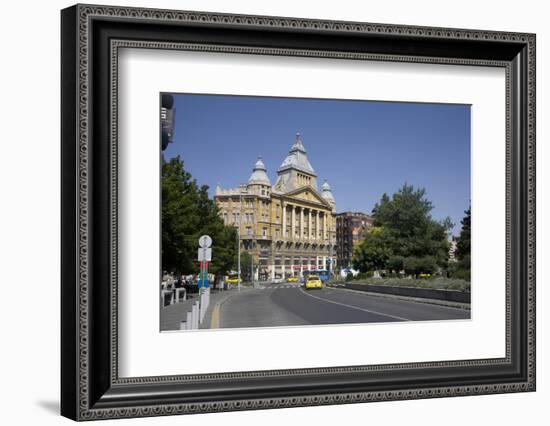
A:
{"points": [[355, 307], [215, 320]]}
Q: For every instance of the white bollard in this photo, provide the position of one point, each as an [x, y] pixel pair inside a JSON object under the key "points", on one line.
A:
{"points": [[189, 321], [183, 325], [202, 307], [196, 315], [193, 309], [205, 302]]}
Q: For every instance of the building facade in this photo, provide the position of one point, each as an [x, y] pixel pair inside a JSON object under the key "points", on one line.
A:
{"points": [[452, 249], [351, 228], [287, 227]]}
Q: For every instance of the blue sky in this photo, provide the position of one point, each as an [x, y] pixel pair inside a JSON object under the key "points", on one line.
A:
{"points": [[362, 148]]}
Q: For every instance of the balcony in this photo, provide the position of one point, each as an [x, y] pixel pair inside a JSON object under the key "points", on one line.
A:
{"points": [[246, 236]]}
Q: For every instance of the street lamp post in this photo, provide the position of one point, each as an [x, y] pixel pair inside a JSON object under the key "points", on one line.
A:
{"points": [[252, 272], [241, 192]]}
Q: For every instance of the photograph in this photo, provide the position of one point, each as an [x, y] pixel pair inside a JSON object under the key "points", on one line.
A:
{"points": [[264, 209], [279, 212]]}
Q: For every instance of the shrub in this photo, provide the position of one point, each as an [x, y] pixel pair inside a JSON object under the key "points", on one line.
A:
{"points": [[395, 263], [420, 265], [462, 274], [364, 275], [435, 283]]}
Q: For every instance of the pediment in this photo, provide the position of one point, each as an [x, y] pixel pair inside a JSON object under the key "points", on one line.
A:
{"points": [[308, 194]]}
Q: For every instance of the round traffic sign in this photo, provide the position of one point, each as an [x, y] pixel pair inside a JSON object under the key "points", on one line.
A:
{"points": [[205, 241]]}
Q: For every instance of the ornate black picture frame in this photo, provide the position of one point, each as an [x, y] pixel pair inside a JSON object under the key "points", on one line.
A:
{"points": [[91, 388]]}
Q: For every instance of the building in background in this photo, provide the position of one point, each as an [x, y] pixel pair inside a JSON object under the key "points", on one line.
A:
{"points": [[351, 228], [287, 227], [452, 249]]}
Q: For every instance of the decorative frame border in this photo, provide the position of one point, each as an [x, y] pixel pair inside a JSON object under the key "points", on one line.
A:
{"points": [[84, 406]]}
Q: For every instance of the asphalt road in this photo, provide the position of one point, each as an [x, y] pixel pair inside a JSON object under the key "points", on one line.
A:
{"points": [[288, 304]]}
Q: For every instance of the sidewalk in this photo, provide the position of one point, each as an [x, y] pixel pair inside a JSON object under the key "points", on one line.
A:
{"points": [[172, 315]]}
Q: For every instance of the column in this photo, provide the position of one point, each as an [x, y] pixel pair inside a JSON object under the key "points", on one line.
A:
{"points": [[310, 217], [324, 262], [293, 222], [301, 222], [324, 225], [272, 258], [283, 228], [316, 232]]}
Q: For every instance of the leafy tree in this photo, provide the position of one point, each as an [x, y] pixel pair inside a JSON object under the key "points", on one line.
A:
{"points": [[179, 217], [420, 265], [373, 252], [461, 269], [463, 246], [403, 229], [396, 263], [246, 266], [188, 213]]}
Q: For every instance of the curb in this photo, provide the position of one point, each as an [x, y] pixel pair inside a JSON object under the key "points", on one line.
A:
{"points": [[456, 305]]}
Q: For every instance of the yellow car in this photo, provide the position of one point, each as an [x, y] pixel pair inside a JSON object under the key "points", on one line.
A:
{"points": [[313, 281], [292, 280], [233, 279]]}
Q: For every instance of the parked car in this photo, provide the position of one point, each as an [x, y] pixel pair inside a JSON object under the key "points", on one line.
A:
{"points": [[233, 279]]}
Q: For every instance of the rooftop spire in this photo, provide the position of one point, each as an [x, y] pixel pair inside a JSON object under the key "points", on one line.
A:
{"points": [[298, 145], [297, 158], [259, 173], [327, 192]]}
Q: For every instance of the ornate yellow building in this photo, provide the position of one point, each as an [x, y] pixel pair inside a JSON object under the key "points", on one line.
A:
{"points": [[288, 227]]}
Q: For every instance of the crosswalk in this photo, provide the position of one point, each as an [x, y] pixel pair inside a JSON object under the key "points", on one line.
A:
{"points": [[276, 286]]}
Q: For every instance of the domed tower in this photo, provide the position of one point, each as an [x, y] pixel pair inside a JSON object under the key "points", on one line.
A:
{"points": [[296, 171], [258, 181], [327, 194]]}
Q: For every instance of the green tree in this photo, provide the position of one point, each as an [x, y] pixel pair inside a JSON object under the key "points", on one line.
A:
{"points": [[373, 252], [188, 213], [396, 263], [405, 229], [420, 265], [246, 266], [463, 243], [463, 248]]}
